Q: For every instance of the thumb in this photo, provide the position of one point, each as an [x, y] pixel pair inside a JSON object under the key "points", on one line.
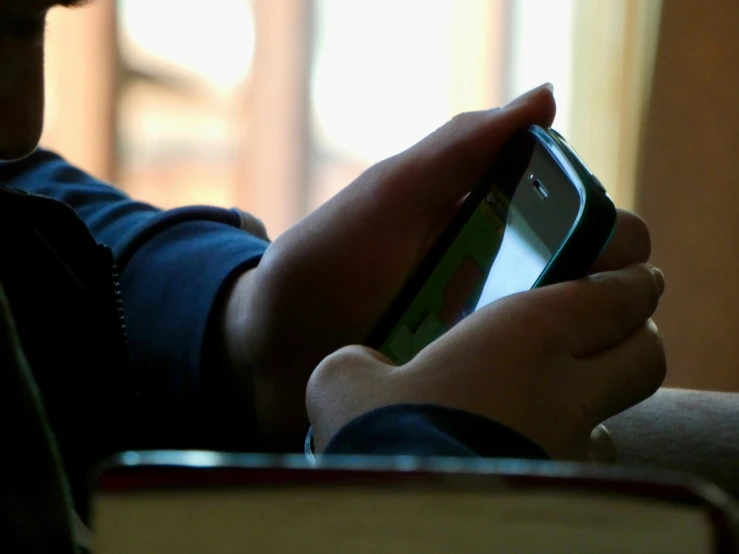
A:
{"points": [[444, 166], [601, 310]]}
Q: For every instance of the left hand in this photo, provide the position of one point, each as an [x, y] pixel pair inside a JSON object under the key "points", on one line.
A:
{"points": [[326, 282], [550, 363]]}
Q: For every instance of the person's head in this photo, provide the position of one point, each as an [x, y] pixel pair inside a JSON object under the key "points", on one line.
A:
{"points": [[21, 73]]}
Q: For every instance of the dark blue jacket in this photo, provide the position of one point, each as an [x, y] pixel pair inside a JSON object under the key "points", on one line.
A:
{"points": [[172, 266]]}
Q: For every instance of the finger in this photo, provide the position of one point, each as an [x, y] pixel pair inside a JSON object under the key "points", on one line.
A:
{"points": [[457, 154], [630, 244], [601, 310], [601, 449], [628, 373]]}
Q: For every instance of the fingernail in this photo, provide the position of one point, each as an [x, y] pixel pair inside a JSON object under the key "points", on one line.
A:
{"points": [[660, 278], [525, 97], [602, 449]]}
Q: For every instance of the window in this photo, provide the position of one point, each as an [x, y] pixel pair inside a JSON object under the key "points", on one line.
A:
{"points": [[275, 106], [387, 73], [182, 98]]}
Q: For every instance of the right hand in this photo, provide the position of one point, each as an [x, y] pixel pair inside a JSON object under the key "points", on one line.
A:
{"points": [[327, 282], [550, 363]]}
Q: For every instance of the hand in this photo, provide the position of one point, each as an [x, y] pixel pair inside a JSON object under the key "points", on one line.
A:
{"points": [[326, 282], [550, 363]]}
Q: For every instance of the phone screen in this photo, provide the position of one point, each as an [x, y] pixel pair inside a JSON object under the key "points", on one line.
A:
{"points": [[503, 248]]}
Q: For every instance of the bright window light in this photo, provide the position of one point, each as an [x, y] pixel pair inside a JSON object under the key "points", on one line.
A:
{"points": [[542, 50], [380, 79], [213, 39]]}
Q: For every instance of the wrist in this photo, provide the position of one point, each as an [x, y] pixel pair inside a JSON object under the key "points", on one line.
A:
{"points": [[231, 322], [253, 362], [227, 391]]}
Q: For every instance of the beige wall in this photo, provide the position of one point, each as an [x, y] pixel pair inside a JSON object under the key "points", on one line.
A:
{"points": [[689, 189]]}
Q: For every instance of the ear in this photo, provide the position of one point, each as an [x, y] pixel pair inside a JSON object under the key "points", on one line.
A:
{"points": [[21, 97]]}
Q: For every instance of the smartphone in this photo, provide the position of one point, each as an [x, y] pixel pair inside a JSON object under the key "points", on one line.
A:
{"points": [[538, 216]]}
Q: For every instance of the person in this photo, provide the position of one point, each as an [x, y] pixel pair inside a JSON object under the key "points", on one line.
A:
{"points": [[223, 329]]}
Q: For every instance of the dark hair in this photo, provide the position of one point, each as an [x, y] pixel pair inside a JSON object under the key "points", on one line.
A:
{"points": [[72, 3]]}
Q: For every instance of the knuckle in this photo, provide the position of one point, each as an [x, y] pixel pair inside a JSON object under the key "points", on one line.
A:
{"points": [[331, 368], [345, 384], [329, 380], [623, 311], [640, 241], [649, 290], [457, 134], [336, 363], [655, 351], [643, 238], [353, 360], [460, 143], [465, 126], [545, 336], [464, 120], [626, 302]]}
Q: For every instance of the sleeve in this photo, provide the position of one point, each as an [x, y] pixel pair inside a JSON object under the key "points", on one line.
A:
{"points": [[173, 265], [430, 430]]}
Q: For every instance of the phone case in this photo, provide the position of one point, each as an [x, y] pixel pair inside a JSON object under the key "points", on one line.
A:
{"points": [[593, 230], [590, 234]]}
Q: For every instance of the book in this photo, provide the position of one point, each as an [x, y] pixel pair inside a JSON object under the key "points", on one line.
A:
{"points": [[204, 502]]}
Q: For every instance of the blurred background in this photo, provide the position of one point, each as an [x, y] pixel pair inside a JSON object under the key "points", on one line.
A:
{"points": [[275, 105]]}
